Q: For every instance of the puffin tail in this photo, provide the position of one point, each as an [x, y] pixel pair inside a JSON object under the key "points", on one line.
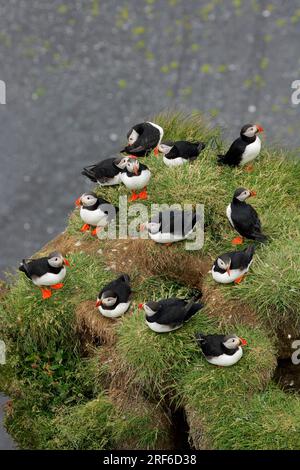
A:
{"points": [[201, 146], [192, 307], [89, 173], [260, 237], [200, 338], [24, 268], [250, 250], [125, 278], [221, 159]]}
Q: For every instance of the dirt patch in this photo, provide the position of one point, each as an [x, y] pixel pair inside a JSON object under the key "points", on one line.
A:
{"points": [[66, 244], [92, 327]]}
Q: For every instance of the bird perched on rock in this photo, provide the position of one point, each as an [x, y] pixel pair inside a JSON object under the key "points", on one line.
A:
{"points": [[136, 177], [47, 272], [168, 315], [114, 298], [232, 266], [143, 138], [107, 172], [180, 152], [244, 149], [221, 350], [244, 218], [95, 212]]}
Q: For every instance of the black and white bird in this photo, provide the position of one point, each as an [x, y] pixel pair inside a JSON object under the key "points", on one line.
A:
{"points": [[143, 138], [95, 212], [106, 172], [232, 266], [169, 314], [180, 152], [244, 149], [114, 299], [221, 350], [171, 226], [244, 218], [47, 272], [136, 177]]}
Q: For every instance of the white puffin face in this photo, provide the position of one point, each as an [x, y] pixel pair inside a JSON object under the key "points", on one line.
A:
{"points": [[132, 137], [232, 342], [165, 149], [250, 130], [149, 312], [88, 200], [56, 260], [121, 162], [108, 301], [153, 227], [244, 195], [224, 264], [132, 166]]}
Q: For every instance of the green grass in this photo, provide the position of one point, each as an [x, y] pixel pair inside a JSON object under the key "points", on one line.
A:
{"points": [[62, 400]]}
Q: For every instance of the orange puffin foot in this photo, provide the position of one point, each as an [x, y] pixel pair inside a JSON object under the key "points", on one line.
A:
{"points": [[156, 151], [133, 197], [46, 293], [57, 286], [85, 228], [168, 244], [237, 241], [239, 279], [143, 194], [95, 231], [249, 168]]}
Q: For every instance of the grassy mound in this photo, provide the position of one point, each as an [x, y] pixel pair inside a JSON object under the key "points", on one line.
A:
{"points": [[80, 381]]}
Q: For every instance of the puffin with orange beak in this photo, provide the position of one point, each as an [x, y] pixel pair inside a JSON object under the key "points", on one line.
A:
{"points": [[95, 212], [114, 298], [136, 177], [143, 138], [47, 272], [244, 218], [221, 350], [232, 266], [244, 149]]}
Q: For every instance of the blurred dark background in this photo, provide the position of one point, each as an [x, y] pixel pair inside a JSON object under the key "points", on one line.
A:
{"points": [[79, 73]]}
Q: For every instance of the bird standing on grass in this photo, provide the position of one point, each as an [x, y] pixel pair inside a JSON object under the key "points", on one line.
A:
{"points": [[244, 149], [95, 212], [244, 218], [143, 138], [106, 172], [169, 314], [136, 177], [180, 152], [221, 350], [232, 266], [46, 273], [114, 299]]}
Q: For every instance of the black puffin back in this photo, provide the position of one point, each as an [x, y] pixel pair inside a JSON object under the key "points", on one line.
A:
{"points": [[38, 267], [120, 287], [104, 169]]}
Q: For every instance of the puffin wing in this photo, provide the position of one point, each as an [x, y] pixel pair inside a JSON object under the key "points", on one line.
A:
{"points": [[35, 267], [247, 221], [211, 345], [234, 154], [171, 311]]}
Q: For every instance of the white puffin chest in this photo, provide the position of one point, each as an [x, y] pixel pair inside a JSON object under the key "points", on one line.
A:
{"points": [[50, 279], [251, 151], [136, 181], [228, 213], [158, 328], [116, 312], [224, 278], [92, 217], [174, 161], [225, 360]]}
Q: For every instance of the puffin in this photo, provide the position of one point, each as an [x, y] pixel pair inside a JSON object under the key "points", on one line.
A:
{"points": [[180, 152], [114, 299], [171, 226], [244, 218], [107, 172], [221, 350], [136, 177], [232, 266], [95, 211], [47, 272], [170, 314], [244, 149], [143, 138]]}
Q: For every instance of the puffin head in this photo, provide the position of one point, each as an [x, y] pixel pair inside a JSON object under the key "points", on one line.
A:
{"points": [[233, 342], [108, 299], [88, 199], [133, 166], [150, 307], [152, 227], [132, 137], [164, 148], [121, 162], [250, 130], [56, 260], [224, 262], [241, 194]]}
